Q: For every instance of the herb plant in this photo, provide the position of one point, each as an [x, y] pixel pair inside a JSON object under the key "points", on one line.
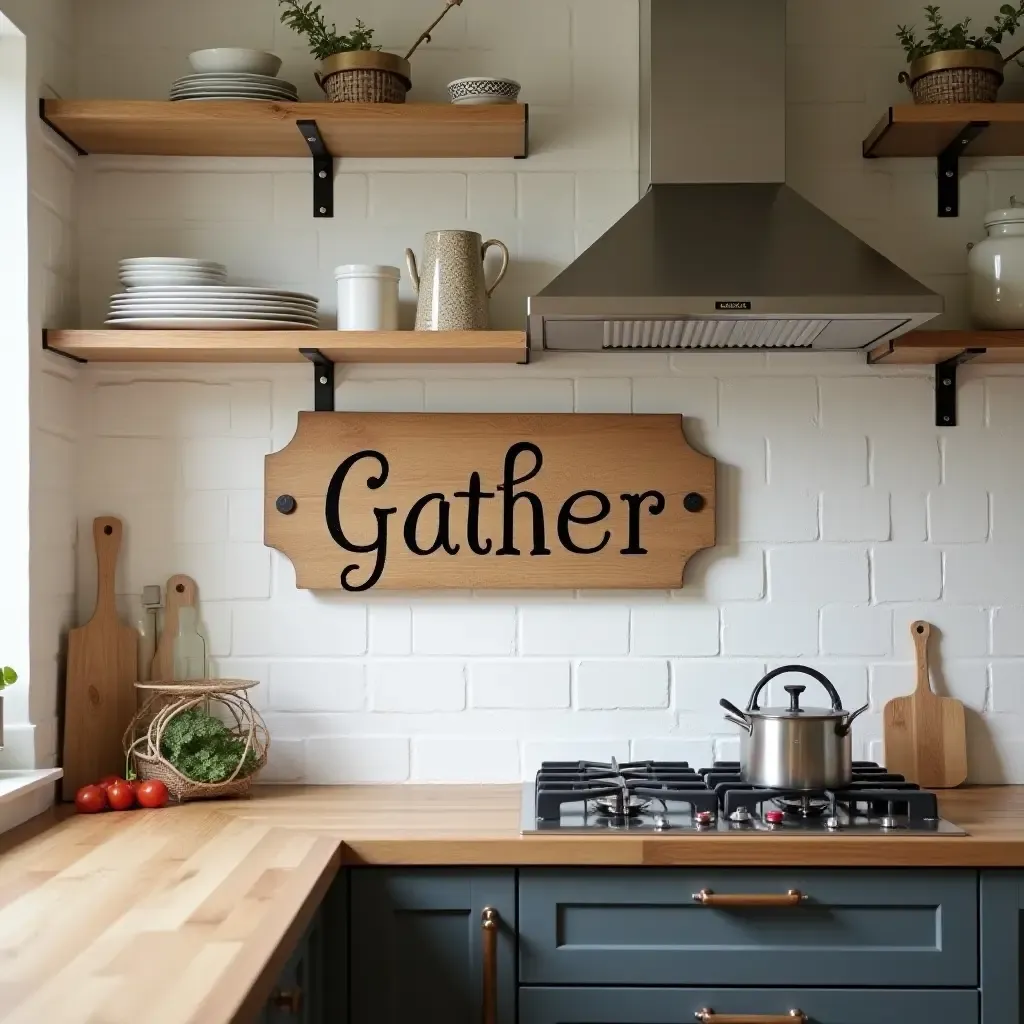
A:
{"points": [[307, 20], [959, 36], [8, 677], [203, 749]]}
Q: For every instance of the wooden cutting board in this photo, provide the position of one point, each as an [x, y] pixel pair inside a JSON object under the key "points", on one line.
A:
{"points": [[926, 735], [102, 671], [181, 592]]}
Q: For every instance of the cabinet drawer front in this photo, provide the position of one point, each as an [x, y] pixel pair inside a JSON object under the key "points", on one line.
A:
{"points": [[643, 927], [679, 1006]]}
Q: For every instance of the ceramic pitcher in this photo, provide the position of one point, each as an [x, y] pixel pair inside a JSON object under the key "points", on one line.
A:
{"points": [[452, 291]]}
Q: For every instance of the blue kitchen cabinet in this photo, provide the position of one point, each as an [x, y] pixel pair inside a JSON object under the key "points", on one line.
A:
{"points": [[843, 928], [1002, 947], [682, 1006], [434, 946]]}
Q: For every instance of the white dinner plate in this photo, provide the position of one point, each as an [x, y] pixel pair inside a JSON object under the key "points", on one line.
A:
{"points": [[233, 78], [303, 312], [230, 99], [170, 261], [227, 311], [207, 324], [131, 281], [231, 90], [215, 291], [260, 93]]}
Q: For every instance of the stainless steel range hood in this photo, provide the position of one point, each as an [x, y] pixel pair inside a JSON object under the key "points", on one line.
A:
{"points": [[720, 253]]}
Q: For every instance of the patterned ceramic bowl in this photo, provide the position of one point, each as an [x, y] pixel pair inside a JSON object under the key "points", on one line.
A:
{"points": [[480, 91]]}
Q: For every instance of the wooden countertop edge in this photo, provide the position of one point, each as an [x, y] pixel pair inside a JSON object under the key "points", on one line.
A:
{"points": [[271, 948]]}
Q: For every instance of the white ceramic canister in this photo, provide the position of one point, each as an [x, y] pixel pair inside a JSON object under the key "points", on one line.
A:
{"points": [[367, 297], [996, 271]]}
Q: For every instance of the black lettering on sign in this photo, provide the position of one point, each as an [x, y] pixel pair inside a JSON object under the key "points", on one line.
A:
{"points": [[443, 537], [508, 547], [567, 516], [333, 515], [635, 503], [475, 495]]}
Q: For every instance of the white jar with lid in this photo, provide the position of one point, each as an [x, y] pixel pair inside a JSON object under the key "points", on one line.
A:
{"points": [[996, 271], [367, 297]]}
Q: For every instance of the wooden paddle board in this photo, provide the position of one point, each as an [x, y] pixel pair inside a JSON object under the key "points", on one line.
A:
{"points": [[181, 593], [102, 672], [926, 735]]}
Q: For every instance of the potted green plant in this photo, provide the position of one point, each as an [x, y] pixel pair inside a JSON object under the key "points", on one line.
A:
{"points": [[952, 64], [352, 68], [8, 677]]}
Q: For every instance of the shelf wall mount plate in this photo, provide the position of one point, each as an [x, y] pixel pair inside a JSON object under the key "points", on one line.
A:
{"points": [[323, 169], [945, 386], [323, 379], [949, 168]]}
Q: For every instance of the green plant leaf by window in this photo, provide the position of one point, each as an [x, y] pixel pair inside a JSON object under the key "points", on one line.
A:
{"points": [[8, 677]]}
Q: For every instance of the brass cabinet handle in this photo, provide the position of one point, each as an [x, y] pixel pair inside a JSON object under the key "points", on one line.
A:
{"points": [[710, 898], [489, 925], [287, 999], [707, 1016]]}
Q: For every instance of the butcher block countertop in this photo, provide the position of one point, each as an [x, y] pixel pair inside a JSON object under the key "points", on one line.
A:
{"points": [[186, 915]]}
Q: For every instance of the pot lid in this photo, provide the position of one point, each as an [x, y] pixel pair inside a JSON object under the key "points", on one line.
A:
{"points": [[795, 710], [1013, 214]]}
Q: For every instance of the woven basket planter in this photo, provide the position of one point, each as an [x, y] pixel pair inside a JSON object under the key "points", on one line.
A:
{"points": [[228, 699], [955, 76], [365, 76]]}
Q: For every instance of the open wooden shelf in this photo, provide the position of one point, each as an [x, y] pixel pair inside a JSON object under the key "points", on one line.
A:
{"points": [[928, 129], [254, 128], [120, 346], [930, 348]]}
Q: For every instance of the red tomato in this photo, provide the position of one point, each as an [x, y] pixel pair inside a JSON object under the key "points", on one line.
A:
{"points": [[90, 800], [108, 780], [152, 793], [121, 796]]}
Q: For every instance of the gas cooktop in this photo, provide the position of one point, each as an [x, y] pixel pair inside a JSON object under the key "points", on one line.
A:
{"points": [[670, 797]]}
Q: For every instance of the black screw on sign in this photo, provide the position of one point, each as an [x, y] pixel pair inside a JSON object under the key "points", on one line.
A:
{"points": [[694, 502], [286, 504]]}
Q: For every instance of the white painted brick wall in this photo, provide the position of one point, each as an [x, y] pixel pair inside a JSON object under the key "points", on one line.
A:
{"points": [[843, 513]]}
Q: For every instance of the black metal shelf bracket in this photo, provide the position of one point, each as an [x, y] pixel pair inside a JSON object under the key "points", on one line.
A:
{"points": [[323, 379], [47, 347], [945, 386], [949, 168], [323, 169]]}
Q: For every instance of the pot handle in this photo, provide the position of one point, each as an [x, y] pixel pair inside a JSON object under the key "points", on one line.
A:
{"points": [[904, 78], [736, 716], [843, 729], [837, 704]]}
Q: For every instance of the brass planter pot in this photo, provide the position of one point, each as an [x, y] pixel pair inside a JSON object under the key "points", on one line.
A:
{"points": [[365, 76], [955, 76]]}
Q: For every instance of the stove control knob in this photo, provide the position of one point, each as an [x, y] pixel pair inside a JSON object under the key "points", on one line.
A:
{"points": [[704, 819], [888, 822], [775, 817], [832, 823], [661, 823]]}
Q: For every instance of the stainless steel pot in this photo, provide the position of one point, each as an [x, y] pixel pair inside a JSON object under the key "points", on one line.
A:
{"points": [[795, 747]]}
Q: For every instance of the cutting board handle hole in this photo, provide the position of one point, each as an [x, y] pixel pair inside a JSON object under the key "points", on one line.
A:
{"points": [[920, 629], [108, 530], [180, 588]]}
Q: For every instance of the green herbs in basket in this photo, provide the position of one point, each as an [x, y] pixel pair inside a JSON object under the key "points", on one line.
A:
{"points": [[203, 749]]}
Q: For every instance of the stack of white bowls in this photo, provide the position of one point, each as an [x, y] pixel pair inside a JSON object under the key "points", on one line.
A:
{"points": [[183, 294], [234, 74]]}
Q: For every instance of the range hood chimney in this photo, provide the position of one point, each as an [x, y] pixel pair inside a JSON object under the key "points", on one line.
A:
{"points": [[719, 253]]}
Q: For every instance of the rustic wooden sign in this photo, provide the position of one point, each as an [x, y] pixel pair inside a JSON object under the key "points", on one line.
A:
{"points": [[363, 501]]}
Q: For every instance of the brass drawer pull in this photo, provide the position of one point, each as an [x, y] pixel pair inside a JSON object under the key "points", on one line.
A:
{"points": [[707, 1016], [287, 999], [489, 925], [709, 898]]}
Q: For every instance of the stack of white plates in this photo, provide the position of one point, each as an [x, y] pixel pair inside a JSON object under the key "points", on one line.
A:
{"points": [[213, 308], [231, 85], [160, 271]]}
